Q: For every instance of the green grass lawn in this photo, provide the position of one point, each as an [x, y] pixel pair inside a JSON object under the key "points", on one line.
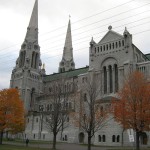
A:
{"points": [[12, 147], [31, 141]]}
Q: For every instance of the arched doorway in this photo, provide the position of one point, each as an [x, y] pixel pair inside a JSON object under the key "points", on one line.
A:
{"points": [[143, 138], [81, 137]]}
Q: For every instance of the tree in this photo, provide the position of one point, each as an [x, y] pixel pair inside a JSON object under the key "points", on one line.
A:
{"points": [[56, 118], [90, 116], [132, 109], [11, 112]]}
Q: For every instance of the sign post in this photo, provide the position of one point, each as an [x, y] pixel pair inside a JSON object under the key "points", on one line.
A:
{"points": [[131, 136]]}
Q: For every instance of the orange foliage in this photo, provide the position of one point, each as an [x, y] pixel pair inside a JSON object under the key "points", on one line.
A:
{"points": [[132, 109], [11, 111]]}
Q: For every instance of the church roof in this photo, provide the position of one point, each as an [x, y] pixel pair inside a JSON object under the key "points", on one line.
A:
{"points": [[68, 74], [110, 35], [148, 56]]}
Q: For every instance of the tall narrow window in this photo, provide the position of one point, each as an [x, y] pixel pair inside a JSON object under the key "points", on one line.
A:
{"points": [[118, 138], [116, 45], [104, 138], [113, 138], [110, 46], [33, 55], [122, 42], [99, 138], [110, 78], [105, 80], [116, 77], [21, 59], [119, 43]]}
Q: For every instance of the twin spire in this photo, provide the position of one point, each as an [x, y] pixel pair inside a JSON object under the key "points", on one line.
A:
{"points": [[32, 32], [67, 62]]}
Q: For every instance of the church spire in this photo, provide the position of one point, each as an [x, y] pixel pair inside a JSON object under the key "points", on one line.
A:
{"points": [[32, 32], [34, 17], [67, 62], [67, 53]]}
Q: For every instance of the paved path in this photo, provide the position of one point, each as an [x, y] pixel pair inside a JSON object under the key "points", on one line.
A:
{"points": [[60, 146]]}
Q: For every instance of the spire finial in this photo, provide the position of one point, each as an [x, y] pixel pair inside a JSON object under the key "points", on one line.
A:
{"points": [[69, 17], [110, 27]]}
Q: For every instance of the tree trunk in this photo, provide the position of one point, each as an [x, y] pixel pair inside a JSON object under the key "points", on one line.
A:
{"points": [[137, 141], [1, 137], [54, 141], [89, 141]]}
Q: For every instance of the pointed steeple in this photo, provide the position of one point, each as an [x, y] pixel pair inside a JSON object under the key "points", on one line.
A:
{"points": [[67, 62], [30, 49], [32, 32], [67, 53], [34, 17]]}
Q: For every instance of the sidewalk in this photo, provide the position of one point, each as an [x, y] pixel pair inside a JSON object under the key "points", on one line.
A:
{"points": [[59, 146], [64, 146]]}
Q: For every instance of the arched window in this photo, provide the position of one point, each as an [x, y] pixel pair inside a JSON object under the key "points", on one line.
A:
{"points": [[66, 138], [99, 138], [113, 45], [110, 46], [95, 49], [116, 77], [107, 46], [105, 80], [116, 45], [101, 48], [104, 138], [98, 49], [119, 43], [118, 138], [33, 58], [122, 42], [110, 79], [113, 138], [104, 47], [85, 97]]}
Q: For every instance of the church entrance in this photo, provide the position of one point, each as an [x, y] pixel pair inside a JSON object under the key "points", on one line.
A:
{"points": [[81, 137], [143, 138]]}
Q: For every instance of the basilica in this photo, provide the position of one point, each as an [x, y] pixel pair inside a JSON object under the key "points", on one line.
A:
{"points": [[110, 60]]}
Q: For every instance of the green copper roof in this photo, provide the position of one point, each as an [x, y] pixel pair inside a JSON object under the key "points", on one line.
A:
{"points": [[68, 74], [148, 56]]}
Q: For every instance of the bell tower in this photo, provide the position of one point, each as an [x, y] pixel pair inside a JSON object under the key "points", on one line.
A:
{"points": [[27, 74]]}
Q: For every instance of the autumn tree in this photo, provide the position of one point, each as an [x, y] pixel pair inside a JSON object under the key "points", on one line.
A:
{"points": [[11, 112], [132, 109], [90, 117], [56, 119]]}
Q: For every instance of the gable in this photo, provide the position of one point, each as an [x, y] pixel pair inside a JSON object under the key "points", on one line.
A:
{"points": [[110, 36]]}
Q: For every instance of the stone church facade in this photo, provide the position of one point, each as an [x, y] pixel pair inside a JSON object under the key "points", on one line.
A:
{"points": [[110, 60]]}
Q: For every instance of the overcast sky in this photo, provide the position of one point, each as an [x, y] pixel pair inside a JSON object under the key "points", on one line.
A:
{"points": [[89, 18]]}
